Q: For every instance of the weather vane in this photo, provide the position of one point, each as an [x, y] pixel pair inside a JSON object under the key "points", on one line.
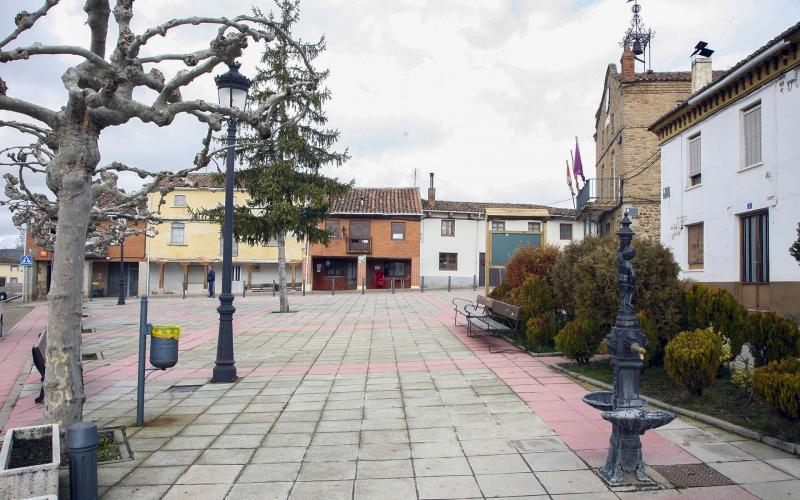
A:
{"points": [[638, 37]]}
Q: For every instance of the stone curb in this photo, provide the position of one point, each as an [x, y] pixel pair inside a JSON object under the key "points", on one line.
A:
{"points": [[531, 353], [702, 417]]}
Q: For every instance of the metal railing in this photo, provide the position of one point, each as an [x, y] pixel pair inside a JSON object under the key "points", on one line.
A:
{"points": [[359, 245], [602, 190]]}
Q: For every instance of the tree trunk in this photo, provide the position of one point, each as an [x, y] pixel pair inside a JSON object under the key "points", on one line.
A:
{"points": [[69, 176], [284, 298]]}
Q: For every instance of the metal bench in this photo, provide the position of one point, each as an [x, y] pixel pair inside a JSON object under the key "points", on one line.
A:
{"points": [[468, 308], [262, 287], [501, 318]]}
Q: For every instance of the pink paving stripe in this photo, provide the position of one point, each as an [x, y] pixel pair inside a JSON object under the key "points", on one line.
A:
{"points": [[559, 405]]}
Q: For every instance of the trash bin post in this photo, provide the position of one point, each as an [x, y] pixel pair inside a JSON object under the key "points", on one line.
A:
{"points": [[142, 347], [82, 442], [164, 346]]}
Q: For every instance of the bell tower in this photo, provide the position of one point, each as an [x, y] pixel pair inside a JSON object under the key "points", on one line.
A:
{"points": [[638, 38]]}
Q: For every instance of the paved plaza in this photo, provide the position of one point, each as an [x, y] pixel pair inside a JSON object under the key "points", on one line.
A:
{"points": [[378, 396]]}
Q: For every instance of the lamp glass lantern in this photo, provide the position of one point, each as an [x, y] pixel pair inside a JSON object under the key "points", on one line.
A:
{"points": [[232, 88]]}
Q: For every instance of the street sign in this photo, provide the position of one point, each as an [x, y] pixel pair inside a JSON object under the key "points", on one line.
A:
{"points": [[26, 261]]}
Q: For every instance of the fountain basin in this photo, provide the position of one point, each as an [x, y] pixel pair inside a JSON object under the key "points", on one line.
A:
{"points": [[636, 420], [600, 400]]}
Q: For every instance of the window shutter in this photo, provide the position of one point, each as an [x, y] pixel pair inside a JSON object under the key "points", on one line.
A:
{"points": [[694, 157], [752, 136]]}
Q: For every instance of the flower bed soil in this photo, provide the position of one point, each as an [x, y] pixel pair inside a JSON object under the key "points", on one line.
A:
{"points": [[28, 452]]}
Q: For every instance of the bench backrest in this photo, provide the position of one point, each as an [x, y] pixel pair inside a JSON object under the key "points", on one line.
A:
{"points": [[485, 301], [506, 310]]}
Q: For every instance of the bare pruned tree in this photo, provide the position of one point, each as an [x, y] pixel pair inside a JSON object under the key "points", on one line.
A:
{"points": [[100, 94]]}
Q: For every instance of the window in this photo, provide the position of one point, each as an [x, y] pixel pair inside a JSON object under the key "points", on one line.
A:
{"points": [[695, 238], [332, 226], [498, 225], [751, 132], [395, 269], [565, 231], [179, 200], [235, 247], [448, 261], [177, 233], [2, 281], [694, 161], [448, 227], [14, 269], [237, 273], [334, 268], [12, 281], [535, 227], [755, 248], [398, 230]]}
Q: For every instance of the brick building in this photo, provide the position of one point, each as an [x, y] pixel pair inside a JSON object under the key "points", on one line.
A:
{"points": [[628, 166], [375, 237]]}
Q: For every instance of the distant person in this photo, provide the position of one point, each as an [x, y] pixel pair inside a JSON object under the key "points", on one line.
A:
{"points": [[211, 277]]}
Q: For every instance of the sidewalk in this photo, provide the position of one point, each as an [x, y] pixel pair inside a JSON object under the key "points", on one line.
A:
{"points": [[376, 396]]}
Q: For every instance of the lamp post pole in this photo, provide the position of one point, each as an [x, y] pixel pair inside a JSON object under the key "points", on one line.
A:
{"points": [[232, 88], [225, 368], [121, 299]]}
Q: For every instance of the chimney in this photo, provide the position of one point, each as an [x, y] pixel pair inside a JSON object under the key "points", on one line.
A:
{"points": [[431, 192], [701, 73], [628, 63]]}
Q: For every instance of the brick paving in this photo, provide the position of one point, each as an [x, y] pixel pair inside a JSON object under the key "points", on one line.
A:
{"points": [[376, 396]]}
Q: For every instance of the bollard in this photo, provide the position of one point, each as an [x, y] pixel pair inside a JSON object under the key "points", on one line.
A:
{"points": [[392, 286], [82, 441], [142, 345], [422, 284], [363, 285], [244, 288], [273, 288], [184, 289], [449, 278], [304, 288], [333, 286], [474, 282]]}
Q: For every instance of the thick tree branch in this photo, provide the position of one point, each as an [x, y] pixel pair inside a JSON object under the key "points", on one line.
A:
{"points": [[25, 20], [97, 12], [35, 111], [39, 49]]}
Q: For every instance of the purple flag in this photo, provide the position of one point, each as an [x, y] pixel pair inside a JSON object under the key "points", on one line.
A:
{"points": [[577, 166]]}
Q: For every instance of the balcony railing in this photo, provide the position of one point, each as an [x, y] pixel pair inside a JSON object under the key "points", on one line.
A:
{"points": [[600, 191], [359, 245]]}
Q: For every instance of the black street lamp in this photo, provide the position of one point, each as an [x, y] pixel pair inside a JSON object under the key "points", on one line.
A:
{"points": [[122, 224], [232, 88]]}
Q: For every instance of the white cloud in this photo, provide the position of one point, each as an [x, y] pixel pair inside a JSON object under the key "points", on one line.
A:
{"points": [[488, 94]]}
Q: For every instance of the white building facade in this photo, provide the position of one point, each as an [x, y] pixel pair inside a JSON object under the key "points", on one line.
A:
{"points": [[466, 244], [730, 179]]}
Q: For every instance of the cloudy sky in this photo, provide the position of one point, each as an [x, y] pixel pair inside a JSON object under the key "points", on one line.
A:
{"points": [[488, 94]]}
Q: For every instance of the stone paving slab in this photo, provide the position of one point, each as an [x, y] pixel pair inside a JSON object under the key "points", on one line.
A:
{"points": [[376, 396]]}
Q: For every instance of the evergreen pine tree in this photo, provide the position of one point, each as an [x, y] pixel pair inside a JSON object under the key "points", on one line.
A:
{"points": [[794, 250], [287, 195]]}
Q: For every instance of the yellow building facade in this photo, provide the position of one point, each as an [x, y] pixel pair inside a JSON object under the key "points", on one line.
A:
{"points": [[184, 248], [11, 273]]}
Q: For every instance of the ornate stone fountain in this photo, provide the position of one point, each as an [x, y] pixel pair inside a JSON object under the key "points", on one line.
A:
{"points": [[623, 406]]}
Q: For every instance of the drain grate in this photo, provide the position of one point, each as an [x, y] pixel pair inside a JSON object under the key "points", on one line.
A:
{"points": [[91, 356], [692, 475], [183, 388]]}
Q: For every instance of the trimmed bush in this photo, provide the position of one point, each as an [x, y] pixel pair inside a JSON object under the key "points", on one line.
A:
{"points": [[585, 285], [778, 383], [771, 337], [693, 358], [706, 306], [533, 298], [528, 262], [579, 339], [541, 330], [500, 292]]}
